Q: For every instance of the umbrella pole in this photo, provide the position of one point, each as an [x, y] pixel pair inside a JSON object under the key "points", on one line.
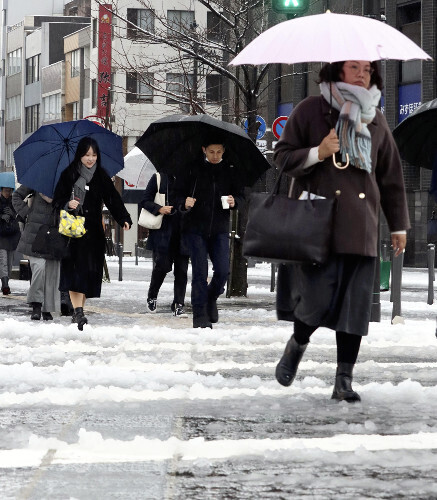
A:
{"points": [[234, 226]]}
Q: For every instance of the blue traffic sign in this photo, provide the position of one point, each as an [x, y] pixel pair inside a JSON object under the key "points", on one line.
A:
{"points": [[261, 129]]}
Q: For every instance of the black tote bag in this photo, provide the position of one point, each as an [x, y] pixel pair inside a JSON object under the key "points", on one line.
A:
{"points": [[49, 243], [280, 229]]}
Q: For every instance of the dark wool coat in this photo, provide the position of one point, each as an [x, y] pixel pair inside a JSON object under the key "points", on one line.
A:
{"points": [[8, 242], [170, 231], [207, 182], [82, 272], [359, 194], [38, 213]]}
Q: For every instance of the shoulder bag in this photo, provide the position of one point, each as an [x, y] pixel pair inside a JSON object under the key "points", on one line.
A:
{"points": [[149, 220], [283, 230], [49, 243]]}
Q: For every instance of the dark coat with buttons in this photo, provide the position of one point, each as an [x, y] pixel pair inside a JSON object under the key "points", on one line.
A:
{"points": [[82, 272], [359, 194]]}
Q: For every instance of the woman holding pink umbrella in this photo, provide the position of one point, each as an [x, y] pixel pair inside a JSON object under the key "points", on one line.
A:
{"points": [[338, 295]]}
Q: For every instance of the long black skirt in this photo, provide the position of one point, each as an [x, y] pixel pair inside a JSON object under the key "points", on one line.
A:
{"points": [[337, 295]]}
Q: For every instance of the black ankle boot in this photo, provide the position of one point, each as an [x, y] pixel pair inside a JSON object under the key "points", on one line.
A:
{"points": [[343, 384], [79, 318], [286, 369], [5, 286], [200, 317], [211, 309], [46, 316], [36, 311]]}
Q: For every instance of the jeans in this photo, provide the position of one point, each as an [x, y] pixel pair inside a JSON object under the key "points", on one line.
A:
{"points": [[162, 264], [217, 248]]}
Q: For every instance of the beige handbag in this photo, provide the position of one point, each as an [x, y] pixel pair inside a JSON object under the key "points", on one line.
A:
{"points": [[149, 220]]}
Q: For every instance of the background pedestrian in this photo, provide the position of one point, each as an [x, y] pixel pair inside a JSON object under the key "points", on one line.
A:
{"points": [[165, 243], [85, 186], [9, 237]]}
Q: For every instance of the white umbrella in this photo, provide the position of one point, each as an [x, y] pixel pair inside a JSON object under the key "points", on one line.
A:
{"points": [[329, 38], [138, 169]]}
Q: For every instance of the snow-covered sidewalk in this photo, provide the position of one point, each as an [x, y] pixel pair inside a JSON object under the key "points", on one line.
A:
{"points": [[144, 406]]}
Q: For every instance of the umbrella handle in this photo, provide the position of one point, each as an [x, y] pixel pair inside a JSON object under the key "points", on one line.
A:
{"points": [[338, 164]]}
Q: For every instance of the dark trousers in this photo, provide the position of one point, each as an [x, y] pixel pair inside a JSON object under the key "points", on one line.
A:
{"points": [[217, 248], [162, 264], [348, 345]]}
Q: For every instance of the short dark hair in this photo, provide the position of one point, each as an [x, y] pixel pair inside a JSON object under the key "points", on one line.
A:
{"points": [[331, 72], [82, 148], [213, 139]]}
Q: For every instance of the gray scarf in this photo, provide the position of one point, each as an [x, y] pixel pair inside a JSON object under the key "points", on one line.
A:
{"points": [[85, 176], [357, 107]]}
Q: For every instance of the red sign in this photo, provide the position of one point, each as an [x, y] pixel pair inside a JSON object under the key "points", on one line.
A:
{"points": [[278, 126], [104, 64]]}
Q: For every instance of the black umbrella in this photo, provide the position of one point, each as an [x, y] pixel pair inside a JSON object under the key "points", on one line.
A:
{"points": [[416, 136], [175, 141]]}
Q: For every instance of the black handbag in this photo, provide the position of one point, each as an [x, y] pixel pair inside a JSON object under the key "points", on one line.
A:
{"points": [[49, 243], [280, 229]]}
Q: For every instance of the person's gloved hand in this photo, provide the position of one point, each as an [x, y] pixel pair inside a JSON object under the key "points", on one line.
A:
{"points": [[5, 217], [8, 211]]}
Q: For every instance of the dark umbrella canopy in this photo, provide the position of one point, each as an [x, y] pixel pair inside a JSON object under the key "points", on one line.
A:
{"points": [[42, 157], [175, 141], [416, 136]]}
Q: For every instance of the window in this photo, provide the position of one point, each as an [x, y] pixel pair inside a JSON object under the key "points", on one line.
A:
{"points": [[75, 63], [51, 108], [32, 69], [75, 110], [32, 119], [179, 20], [13, 108], [138, 87], [214, 91], [10, 148], [93, 93], [213, 26], [411, 26], [95, 32], [143, 18], [14, 62], [178, 88]]}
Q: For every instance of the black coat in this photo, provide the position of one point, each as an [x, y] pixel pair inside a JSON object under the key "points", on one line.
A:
{"points": [[169, 234], [82, 272], [10, 241], [207, 182]]}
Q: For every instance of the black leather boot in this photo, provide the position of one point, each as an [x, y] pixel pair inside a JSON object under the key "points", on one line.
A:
{"points": [[5, 286], [79, 318], [286, 369], [36, 311], [343, 384], [211, 309], [46, 316], [200, 317]]}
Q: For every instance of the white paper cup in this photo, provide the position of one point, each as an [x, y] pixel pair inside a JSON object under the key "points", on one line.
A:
{"points": [[225, 203]]}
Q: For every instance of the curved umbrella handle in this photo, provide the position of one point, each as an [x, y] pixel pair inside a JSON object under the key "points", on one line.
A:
{"points": [[338, 164]]}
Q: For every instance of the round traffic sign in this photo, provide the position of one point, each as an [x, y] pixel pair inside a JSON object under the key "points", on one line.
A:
{"points": [[261, 129], [278, 126]]}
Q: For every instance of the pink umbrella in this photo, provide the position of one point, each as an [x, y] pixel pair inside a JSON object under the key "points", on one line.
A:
{"points": [[328, 38]]}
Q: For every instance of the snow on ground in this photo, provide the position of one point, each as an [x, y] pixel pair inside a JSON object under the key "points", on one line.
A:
{"points": [[139, 388]]}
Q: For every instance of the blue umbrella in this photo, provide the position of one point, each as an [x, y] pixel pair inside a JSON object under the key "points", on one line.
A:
{"points": [[7, 180], [43, 156]]}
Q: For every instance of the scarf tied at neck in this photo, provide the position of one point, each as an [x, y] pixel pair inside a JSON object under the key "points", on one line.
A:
{"points": [[357, 107]]}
